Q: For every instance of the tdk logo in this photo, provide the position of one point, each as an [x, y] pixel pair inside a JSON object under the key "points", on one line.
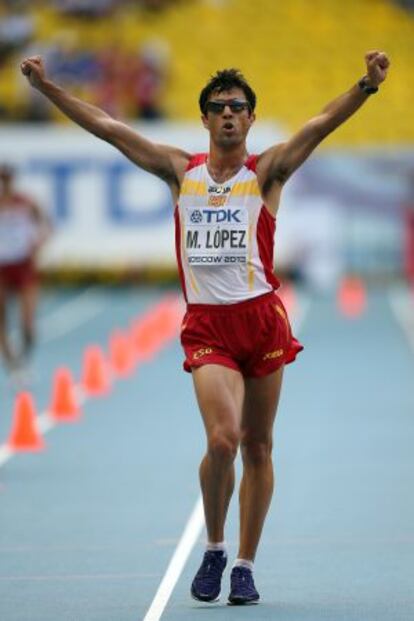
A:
{"points": [[219, 189], [213, 216], [196, 216]]}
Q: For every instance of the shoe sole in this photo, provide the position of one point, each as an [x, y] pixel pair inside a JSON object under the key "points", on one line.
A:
{"points": [[206, 601], [243, 603]]}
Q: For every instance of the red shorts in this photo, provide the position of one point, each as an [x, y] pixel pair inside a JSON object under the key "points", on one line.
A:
{"points": [[253, 337], [18, 275]]}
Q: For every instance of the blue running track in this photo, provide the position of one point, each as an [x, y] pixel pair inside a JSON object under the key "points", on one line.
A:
{"points": [[88, 527]]}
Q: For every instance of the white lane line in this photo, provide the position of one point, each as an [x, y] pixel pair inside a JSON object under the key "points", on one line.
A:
{"points": [[66, 317], [5, 454], [71, 577], [403, 308], [69, 317], [182, 552], [195, 523], [63, 324], [73, 301], [55, 318], [45, 423]]}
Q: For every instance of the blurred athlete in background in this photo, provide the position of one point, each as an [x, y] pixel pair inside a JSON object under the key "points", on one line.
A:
{"points": [[236, 335], [24, 228]]}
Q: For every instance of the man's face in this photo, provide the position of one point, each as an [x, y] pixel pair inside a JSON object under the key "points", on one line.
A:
{"points": [[228, 127]]}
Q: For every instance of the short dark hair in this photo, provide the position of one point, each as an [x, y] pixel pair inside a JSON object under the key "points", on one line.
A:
{"points": [[223, 81]]}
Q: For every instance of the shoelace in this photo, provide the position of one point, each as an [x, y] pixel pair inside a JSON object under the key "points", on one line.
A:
{"points": [[211, 568]]}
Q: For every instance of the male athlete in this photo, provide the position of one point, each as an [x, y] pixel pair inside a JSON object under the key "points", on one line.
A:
{"points": [[236, 335], [24, 228]]}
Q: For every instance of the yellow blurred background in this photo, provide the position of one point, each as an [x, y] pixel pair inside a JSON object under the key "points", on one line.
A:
{"points": [[297, 55]]}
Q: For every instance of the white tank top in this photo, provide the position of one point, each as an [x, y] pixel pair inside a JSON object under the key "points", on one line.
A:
{"points": [[18, 230], [224, 236]]}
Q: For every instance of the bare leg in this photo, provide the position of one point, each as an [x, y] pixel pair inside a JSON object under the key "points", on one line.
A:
{"points": [[256, 489], [28, 303], [5, 349], [220, 393]]}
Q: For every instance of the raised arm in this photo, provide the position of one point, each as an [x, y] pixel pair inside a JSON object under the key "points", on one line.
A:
{"points": [[166, 162], [278, 163]]}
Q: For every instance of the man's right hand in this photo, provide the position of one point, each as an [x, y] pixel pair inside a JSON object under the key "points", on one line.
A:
{"points": [[34, 70]]}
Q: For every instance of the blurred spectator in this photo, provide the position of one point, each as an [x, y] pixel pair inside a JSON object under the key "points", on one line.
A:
{"points": [[150, 79], [68, 65], [86, 8], [125, 84], [132, 85], [407, 4], [24, 229], [35, 109], [111, 88], [155, 6], [71, 66], [9, 5], [16, 29]]}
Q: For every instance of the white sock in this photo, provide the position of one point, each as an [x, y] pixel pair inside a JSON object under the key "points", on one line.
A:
{"points": [[217, 547], [242, 562]]}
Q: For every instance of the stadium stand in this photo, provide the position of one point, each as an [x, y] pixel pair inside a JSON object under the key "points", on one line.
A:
{"points": [[297, 54]]}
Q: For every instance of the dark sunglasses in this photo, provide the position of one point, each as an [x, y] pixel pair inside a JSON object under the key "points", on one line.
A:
{"points": [[235, 105]]}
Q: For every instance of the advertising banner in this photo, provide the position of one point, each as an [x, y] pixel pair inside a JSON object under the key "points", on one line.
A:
{"points": [[106, 212], [344, 210]]}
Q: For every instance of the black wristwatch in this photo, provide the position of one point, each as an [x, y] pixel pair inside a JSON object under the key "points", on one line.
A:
{"points": [[365, 86]]}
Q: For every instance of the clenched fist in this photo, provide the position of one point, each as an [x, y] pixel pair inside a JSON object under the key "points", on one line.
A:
{"points": [[377, 67], [33, 68]]}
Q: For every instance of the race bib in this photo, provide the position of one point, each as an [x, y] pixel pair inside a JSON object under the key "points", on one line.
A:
{"points": [[216, 236]]}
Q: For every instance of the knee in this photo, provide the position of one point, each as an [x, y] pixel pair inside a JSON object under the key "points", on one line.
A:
{"points": [[256, 452], [223, 445]]}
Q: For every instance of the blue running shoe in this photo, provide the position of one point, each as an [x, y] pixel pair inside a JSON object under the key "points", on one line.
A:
{"points": [[206, 585], [242, 590]]}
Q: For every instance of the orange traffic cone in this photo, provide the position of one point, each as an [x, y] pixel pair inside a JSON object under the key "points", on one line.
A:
{"points": [[25, 436], [151, 331], [352, 297], [121, 354], [168, 322], [95, 377], [143, 339], [63, 404]]}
